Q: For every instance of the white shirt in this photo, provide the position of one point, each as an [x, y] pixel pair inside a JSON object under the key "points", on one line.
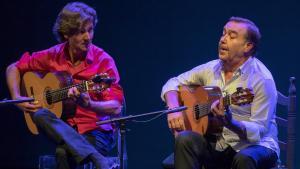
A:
{"points": [[258, 117]]}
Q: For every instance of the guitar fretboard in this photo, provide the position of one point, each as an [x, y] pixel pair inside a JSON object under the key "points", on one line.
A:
{"points": [[54, 96]]}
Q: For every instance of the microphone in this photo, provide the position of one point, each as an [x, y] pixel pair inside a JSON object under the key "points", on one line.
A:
{"points": [[176, 109], [6, 101]]}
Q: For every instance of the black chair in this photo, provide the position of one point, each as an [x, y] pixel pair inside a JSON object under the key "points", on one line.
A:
{"points": [[288, 124]]}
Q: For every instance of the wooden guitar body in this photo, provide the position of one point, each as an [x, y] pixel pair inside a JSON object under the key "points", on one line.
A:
{"points": [[198, 100], [36, 85], [51, 90]]}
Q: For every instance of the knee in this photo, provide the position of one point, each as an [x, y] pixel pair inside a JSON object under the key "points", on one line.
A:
{"points": [[189, 138], [40, 115], [242, 161], [60, 153]]}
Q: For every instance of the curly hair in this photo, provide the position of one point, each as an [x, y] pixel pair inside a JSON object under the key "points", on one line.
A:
{"points": [[71, 19]]}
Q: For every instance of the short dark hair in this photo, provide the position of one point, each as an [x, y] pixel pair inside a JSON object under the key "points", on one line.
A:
{"points": [[71, 18], [253, 34]]}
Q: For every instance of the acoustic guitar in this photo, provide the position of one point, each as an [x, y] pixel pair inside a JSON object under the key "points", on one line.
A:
{"points": [[198, 100], [51, 90]]}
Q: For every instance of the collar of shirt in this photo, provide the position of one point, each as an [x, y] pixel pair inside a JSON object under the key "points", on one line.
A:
{"points": [[89, 56], [244, 68]]}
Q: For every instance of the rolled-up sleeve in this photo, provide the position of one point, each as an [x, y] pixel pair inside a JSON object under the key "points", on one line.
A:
{"points": [[262, 110], [37, 61], [191, 77]]}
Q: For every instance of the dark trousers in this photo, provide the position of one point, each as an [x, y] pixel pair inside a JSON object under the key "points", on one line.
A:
{"points": [[70, 142], [192, 151]]}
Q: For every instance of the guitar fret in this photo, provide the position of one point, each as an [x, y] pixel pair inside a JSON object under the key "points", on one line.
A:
{"points": [[226, 100]]}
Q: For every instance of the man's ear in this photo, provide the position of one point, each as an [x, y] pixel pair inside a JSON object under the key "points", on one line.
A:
{"points": [[248, 47]]}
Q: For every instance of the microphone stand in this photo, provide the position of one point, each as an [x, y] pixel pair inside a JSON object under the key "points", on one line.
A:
{"points": [[122, 120], [5, 101]]}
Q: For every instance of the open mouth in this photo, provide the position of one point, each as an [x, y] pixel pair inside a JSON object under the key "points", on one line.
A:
{"points": [[223, 49], [86, 44]]}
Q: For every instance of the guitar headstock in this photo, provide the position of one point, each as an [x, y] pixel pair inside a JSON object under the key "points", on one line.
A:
{"points": [[100, 82], [242, 96], [103, 78]]}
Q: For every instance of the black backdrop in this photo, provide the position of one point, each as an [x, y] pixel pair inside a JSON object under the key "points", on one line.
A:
{"points": [[150, 41]]}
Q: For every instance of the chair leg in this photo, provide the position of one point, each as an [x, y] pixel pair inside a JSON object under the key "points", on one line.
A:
{"points": [[168, 163]]}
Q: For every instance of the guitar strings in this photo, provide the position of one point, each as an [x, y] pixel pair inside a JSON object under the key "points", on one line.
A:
{"points": [[54, 96]]}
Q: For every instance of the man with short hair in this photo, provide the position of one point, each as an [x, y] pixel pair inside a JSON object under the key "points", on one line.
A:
{"points": [[249, 133]]}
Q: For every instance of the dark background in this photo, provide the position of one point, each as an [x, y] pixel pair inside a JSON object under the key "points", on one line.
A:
{"points": [[151, 41]]}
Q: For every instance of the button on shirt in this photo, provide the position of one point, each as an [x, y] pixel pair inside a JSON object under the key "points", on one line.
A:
{"points": [[258, 117], [97, 61]]}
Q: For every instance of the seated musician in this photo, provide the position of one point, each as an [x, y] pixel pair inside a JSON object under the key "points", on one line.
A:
{"points": [[248, 139], [77, 136]]}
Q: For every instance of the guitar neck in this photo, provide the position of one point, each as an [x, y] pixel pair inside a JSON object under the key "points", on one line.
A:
{"points": [[57, 95]]}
